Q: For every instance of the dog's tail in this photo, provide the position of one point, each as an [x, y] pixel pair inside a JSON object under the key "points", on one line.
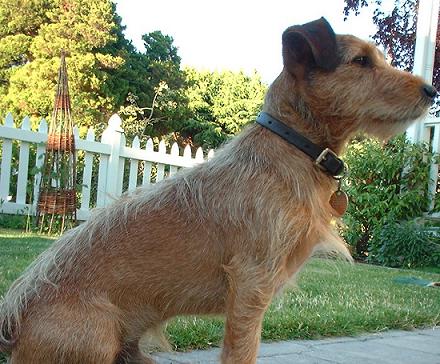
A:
{"points": [[17, 299], [7, 332], [15, 302], [12, 306], [27, 287]]}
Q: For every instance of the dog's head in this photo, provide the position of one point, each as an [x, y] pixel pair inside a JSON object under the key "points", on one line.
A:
{"points": [[347, 84]]}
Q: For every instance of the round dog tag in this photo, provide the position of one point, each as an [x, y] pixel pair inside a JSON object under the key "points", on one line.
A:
{"points": [[339, 202]]}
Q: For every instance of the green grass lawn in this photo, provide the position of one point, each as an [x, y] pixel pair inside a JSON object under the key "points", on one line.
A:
{"points": [[332, 298], [17, 250]]}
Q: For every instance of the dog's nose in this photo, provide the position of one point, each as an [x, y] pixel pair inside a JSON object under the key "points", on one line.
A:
{"points": [[429, 91]]}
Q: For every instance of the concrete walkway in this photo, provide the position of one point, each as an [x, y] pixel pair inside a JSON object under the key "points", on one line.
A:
{"points": [[391, 347]]}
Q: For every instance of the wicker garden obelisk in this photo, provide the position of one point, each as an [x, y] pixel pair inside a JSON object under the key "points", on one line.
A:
{"points": [[57, 194]]}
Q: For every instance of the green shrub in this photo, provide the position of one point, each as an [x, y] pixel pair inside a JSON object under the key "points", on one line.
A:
{"points": [[12, 221], [385, 183], [404, 245]]}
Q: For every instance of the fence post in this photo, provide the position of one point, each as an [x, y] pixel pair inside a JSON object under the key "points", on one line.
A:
{"points": [[39, 162], [23, 166], [6, 162], [112, 136]]}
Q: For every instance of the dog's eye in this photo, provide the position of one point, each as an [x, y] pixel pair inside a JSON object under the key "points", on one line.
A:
{"points": [[361, 60]]}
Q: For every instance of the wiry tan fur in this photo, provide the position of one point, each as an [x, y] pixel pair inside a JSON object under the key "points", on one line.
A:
{"points": [[222, 237]]}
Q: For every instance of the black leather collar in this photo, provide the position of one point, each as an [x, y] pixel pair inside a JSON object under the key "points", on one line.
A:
{"points": [[324, 158]]}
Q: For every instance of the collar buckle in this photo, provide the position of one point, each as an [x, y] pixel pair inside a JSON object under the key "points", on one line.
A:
{"points": [[323, 156], [329, 161]]}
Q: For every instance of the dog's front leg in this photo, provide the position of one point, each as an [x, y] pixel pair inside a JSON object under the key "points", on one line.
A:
{"points": [[251, 288]]}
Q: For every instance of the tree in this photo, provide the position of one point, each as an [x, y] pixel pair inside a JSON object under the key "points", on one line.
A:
{"points": [[104, 67], [80, 27], [396, 31], [160, 48], [220, 105], [153, 107]]}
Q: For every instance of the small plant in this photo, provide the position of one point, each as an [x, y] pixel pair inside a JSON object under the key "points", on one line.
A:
{"points": [[405, 245]]}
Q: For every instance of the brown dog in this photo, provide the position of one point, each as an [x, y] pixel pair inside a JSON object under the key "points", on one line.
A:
{"points": [[222, 237]]}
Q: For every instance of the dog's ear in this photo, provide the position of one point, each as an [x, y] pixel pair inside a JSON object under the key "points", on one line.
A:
{"points": [[309, 46]]}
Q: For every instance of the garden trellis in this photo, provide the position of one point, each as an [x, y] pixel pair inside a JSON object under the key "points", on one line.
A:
{"points": [[57, 193]]}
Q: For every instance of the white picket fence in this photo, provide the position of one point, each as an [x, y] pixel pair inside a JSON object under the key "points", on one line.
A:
{"points": [[118, 167], [146, 165]]}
